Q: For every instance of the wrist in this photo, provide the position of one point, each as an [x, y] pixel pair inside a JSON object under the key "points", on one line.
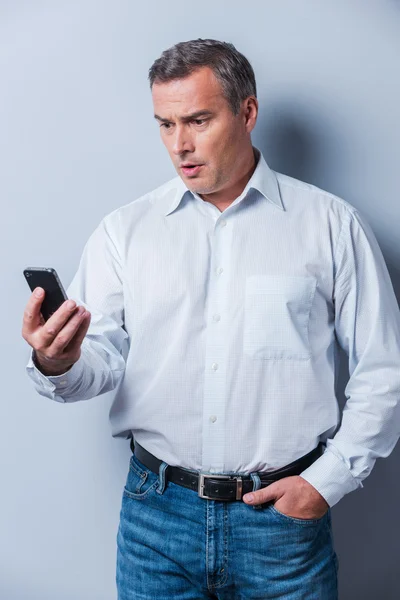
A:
{"points": [[48, 371]]}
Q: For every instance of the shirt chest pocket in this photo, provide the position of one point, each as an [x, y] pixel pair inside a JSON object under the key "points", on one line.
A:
{"points": [[276, 316]]}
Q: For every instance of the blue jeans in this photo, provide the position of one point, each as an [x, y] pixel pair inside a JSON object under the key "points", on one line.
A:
{"points": [[174, 545]]}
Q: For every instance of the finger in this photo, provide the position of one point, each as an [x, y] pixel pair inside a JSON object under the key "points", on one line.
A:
{"points": [[78, 338], [56, 322], [67, 333], [271, 492], [32, 317]]}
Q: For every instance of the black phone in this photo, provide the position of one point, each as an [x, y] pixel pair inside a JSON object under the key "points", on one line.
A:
{"points": [[46, 278]]}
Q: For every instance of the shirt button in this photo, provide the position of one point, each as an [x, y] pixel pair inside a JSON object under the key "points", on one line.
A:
{"points": [[214, 366], [223, 223], [213, 418], [63, 382], [219, 270], [216, 317]]}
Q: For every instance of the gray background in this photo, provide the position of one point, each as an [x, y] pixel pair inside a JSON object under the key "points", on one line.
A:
{"points": [[78, 139]]}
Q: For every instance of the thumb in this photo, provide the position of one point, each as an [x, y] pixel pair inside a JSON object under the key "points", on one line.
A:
{"points": [[264, 495]]}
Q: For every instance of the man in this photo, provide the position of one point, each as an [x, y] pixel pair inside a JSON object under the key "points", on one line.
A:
{"points": [[216, 303]]}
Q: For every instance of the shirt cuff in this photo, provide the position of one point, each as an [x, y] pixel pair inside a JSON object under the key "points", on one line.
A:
{"points": [[53, 386], [331, 477]]}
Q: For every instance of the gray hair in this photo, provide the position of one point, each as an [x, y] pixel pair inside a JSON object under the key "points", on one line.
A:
{"points": [[230, 67]]}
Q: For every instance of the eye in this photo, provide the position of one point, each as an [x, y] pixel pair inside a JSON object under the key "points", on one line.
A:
{"points": [[199, 121], [166, 125]]}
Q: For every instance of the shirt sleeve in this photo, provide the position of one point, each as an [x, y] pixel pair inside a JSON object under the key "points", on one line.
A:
{"points": [[97, 285], [367, 326]]}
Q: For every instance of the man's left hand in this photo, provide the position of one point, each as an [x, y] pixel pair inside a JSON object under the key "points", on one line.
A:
{"points": [[293, 496]]}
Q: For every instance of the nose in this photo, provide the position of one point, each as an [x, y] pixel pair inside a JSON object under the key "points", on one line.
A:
{"points": [[182, 141]]}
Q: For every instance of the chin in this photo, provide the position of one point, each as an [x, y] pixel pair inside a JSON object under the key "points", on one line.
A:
{"points": [[200, 189]]}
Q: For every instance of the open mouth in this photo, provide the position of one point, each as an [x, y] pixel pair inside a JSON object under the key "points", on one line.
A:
{"points": [[191, 169]]}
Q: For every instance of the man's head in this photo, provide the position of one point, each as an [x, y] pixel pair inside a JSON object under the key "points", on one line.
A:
{"points": [[204, 97]]}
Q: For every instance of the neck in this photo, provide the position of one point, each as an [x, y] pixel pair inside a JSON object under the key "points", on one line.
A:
{"points": [[226, 196]]}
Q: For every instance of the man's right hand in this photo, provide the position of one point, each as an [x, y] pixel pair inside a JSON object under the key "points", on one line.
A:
{"points": [[57, 341]]}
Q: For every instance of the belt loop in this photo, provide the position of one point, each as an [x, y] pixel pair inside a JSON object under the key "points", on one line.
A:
{"points": [[256, 486], [256, 481], [162, 480]]}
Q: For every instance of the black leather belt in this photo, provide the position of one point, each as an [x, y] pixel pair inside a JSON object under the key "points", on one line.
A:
{"points": [[223, 487]]}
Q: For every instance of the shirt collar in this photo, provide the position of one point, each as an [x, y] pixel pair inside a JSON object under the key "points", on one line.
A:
{"points": [[263, 180]]}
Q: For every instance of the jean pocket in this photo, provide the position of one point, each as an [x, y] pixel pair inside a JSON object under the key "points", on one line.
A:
{"points": [[297, 521], [141, 481], [276, 316]]}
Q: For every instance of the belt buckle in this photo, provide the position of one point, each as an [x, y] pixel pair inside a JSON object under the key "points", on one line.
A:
{"points": [[202, 477]]}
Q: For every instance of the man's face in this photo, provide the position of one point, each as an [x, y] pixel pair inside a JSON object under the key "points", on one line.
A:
{"points": [[199, 128]]}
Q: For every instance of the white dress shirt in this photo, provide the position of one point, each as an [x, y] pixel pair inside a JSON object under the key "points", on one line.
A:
{"points": [[219, 331]]}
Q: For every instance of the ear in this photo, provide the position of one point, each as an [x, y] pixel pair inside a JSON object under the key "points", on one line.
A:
{"points": [[250, 112]]}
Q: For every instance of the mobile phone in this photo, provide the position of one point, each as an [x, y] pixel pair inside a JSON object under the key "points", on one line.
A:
{"points": [[47, 278]]}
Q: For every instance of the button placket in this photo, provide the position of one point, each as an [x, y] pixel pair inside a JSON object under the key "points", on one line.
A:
{"points": [[213, 451]]}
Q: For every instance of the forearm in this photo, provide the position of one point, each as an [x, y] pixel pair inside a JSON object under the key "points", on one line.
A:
{"points": [[98, 370]]}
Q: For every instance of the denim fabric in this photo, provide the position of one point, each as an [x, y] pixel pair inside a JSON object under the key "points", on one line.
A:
{"points": [[171, 544]]}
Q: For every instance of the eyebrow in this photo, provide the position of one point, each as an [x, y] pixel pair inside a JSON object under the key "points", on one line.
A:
{"points": [[195, 115]]}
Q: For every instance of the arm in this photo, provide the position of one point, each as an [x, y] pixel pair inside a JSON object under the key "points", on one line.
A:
{"points": [[98, 286], [367, 325]]}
